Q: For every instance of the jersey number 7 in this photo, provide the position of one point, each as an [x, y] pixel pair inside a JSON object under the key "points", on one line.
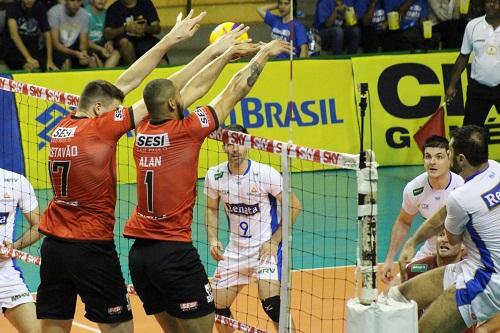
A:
{"points": [[62, 167]]}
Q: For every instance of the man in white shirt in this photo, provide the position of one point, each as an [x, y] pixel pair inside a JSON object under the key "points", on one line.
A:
{"points": [[482, 37], [459, 295], [16, 301], [250, 192], [425, 194]]}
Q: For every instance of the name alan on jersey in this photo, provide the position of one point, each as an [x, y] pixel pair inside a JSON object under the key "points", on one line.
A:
{"points": [[150, 161]]}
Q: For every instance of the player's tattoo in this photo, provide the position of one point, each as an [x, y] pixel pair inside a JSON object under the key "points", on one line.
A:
{"points": [[255, 70]]}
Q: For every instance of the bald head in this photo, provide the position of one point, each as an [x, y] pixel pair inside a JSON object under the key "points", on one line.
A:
{"points": [[157, 94]]}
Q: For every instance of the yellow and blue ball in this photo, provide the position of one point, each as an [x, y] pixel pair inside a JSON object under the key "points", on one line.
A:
{"points": [[223, 29]]}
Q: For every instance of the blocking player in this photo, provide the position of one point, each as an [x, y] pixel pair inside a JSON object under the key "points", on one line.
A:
{"points": [[16, 301], [425, 194], [78, 254], [250, 192], [164, 265]]}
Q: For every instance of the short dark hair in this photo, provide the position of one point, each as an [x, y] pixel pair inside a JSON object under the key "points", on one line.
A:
{"points": [[472, 142], [237, 128], [99, 91], [436, 141], [156, 93]]}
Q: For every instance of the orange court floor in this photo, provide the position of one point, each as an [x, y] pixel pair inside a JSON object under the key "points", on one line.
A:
{"points": [[317, 301]]}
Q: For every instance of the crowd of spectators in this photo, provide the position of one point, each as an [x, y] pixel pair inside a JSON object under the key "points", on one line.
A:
{"points": [[61, 34]]}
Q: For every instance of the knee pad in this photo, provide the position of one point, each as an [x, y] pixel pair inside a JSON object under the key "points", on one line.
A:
{"points": [[396, 295], [226, 312], [271, 307]]}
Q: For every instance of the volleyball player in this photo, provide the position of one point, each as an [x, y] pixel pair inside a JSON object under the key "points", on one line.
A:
{"points": [[250, 192], [425, 194], [78, 254], [164, 265], [16, 301], [459, 295]]}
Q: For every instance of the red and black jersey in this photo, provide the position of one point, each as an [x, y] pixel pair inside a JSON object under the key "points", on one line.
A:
{"points": [[82, 169], [166, 156]]}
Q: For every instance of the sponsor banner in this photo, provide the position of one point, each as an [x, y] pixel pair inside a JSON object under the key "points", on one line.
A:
{"points": [[323, 113], [404, 91], [11, 154]]}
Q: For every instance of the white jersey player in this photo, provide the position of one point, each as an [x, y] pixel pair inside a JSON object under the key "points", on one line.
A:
{"points": [[425, 194], [250, 193], [420, 197], [16, 301], [472, 215]]}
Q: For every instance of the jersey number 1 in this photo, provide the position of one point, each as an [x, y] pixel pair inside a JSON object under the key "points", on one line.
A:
{"points": [[63, 167], [149, 181]]}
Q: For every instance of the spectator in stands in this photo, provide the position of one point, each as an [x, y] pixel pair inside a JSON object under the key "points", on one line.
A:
{"points": [[280, 26], [445, 15], [411, 13], [373, 21], [131, 24], [103, 51], [26, 24], [335, 32], [69, 28]]}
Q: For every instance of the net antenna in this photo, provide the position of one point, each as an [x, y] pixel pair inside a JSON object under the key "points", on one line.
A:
{"points": [[367, 210]]}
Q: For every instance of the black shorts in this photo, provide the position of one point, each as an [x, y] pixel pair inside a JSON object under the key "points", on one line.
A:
{"points": [[168, 276], [89, 269]]}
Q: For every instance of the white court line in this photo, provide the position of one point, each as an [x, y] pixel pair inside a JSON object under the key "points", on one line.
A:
{"points": [[88, 328]]}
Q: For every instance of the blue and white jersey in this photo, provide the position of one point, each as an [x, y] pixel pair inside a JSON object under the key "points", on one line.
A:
{"points": [[15, 190], [249, 201], [420, 197], [474, 211]]}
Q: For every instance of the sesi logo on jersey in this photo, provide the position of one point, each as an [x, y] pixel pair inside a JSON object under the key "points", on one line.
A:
{"points": [[119, 114], [152, 141], [202, 116], [492, 197], [64, 132]]}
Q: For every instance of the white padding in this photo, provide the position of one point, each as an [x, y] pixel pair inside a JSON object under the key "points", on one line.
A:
{"points": [[383, 316]]}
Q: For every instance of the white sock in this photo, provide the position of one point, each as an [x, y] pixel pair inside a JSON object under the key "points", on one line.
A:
{"points": [[396, 295]]}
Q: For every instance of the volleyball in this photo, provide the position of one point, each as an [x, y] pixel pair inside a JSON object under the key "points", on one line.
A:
{"points": [[224, 28]]}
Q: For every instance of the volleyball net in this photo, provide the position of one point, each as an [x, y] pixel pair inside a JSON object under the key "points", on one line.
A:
{"points": [[329, 246]]}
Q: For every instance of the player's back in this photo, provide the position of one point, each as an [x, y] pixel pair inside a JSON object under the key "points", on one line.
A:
{"points": [[82, 166], [480, 199], [166, 157]]}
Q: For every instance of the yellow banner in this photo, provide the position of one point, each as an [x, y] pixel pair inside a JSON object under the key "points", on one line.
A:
{"points": [[404, 91], [322, 116]]}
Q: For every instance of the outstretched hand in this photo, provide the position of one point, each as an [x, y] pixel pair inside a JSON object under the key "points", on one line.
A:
{"points": [[239, 50], [229, 39], [276, 47], [186, 28]]}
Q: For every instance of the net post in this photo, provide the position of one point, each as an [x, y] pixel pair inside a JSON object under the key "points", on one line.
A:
{"points": [[367, 220], [285, 242]]}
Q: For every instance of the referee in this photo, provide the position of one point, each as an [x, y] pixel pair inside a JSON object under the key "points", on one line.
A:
{"points": [[482, 36]]}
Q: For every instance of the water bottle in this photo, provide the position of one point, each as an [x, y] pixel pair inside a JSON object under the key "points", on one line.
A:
{"points": [[314, 47]]}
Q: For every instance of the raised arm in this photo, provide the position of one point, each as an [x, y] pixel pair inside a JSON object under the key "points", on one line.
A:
{"points": [[243, 81], [136, 73], [432, 226], [212, 225], [182, 77], [261, 10], [399, 232], [199, 85]]}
